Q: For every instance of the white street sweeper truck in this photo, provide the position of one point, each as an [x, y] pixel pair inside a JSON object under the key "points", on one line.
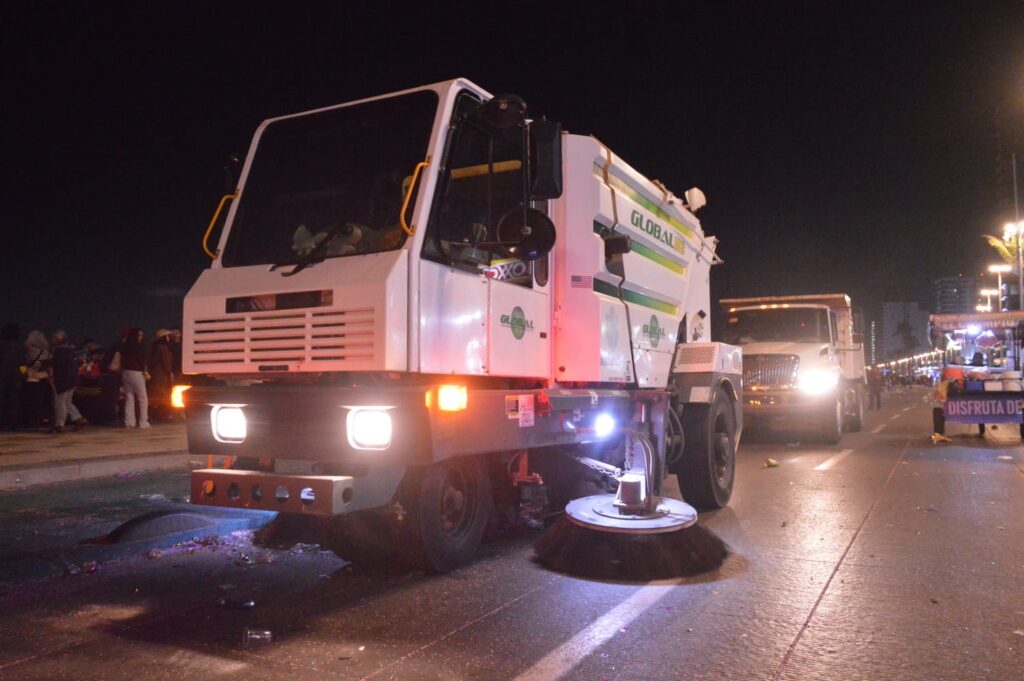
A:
{"points": [[425, 307]]}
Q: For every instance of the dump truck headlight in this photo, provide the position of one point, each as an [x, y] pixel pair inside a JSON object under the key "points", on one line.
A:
{"points": [[817, 381], [228, 422], [368, 427]]}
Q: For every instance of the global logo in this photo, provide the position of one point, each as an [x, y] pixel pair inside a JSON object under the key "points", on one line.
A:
{"points": [[654, 331], [517, 322]]}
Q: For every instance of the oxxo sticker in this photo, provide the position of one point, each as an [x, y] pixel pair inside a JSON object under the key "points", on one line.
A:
{"points": [[506, 270], [653, 331], [662, 234], [518, 322]]}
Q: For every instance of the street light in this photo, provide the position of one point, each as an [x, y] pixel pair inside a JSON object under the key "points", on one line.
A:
{"points": [[999, 271], [1016, 229]]}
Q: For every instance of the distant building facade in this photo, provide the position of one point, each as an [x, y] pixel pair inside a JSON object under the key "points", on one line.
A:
{"points": [[904, 331], [955, 295]]}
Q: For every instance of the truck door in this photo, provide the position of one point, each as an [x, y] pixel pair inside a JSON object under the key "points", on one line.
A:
{"points": [[480, 312], [517, 319]]}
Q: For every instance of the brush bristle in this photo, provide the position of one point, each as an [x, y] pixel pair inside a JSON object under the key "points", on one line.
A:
{"points": [[583, 552]]}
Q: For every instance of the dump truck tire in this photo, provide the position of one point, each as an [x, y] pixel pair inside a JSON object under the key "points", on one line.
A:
{"points": [[832, 431], [855, 421], [707, 468], [447, 508]]}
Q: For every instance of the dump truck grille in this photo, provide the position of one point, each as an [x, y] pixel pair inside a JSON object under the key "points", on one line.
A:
{"points": [[274, 338], [770, 371]]}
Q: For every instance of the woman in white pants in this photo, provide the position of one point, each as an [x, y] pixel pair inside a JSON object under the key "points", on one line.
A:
{"points": [[133, 377]]}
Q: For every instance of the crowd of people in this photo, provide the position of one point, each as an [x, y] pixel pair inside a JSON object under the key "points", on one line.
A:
{"points": [[50, 385]]}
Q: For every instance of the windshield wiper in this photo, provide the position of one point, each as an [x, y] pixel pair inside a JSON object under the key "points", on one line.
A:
{"points": [[319, 251]]}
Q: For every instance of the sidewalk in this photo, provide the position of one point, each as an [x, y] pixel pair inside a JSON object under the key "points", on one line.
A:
{"points": [[39, 458]]}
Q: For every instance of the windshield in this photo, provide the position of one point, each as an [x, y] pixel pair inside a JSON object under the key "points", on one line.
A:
{"points": [[794, 325], [338, 175]]}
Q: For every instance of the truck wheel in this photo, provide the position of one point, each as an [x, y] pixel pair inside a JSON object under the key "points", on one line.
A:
{"points": [[833, 428], [448, 505], [855, 422], [708, 465]]}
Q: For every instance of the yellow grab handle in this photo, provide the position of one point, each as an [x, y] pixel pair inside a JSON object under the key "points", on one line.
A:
{"points": [[216, 214], [409, 229]]}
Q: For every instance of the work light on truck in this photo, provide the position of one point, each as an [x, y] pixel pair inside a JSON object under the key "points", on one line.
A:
{"points": [[368, 427], [228, 423], [817, 381]]}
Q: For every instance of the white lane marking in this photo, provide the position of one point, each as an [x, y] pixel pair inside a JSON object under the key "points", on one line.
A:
{"points": [[562, 659], [894, 417], [833, 460], [878, 429], [907, 408]]}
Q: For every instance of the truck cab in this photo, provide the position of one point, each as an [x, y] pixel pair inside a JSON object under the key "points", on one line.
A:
{"points": [[803, 363]]}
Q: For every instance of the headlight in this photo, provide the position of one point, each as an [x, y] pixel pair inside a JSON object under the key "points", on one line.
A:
{"points": [[817, 381], [368, 427], [228, 423]]}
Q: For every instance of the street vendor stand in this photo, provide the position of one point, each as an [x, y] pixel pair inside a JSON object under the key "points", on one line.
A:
{"points": [[981, 382]]}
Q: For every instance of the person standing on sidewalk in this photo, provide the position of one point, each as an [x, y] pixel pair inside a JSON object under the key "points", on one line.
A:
{"points": [[875, 385], [37, 392], [161, 369], [11, 377], [64, 374], [133, 376]]}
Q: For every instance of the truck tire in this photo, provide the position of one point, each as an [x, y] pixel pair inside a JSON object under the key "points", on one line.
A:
{"points": [[855, 421], [832, 430], [707, 467], [447, 505]]}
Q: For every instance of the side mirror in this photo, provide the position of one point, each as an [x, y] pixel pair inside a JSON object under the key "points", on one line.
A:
{"points": [[527, 240], [545, 159], [500, 113]]}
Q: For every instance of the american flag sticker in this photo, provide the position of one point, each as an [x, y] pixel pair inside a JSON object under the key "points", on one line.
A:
{"points": [[578, 281]]}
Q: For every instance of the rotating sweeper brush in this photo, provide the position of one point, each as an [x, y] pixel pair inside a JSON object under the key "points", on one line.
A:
{"points": [[634, 534]]}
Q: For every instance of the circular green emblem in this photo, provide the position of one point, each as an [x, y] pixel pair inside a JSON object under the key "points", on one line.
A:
{"points": [[517, 322], [654, 331]]}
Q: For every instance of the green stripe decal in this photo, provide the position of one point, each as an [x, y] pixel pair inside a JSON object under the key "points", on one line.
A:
{"points": [[647, 252], [635, 194], [635, 298], [650, 253]]}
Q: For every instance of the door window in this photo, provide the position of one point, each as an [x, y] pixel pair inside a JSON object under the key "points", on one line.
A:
{"points": [[482, 180]]}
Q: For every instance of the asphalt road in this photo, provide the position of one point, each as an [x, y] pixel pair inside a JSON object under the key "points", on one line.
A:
{"points": [[884, 557]]}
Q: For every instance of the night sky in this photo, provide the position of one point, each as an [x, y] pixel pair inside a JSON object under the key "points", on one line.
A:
{"points": [[863, 150]]}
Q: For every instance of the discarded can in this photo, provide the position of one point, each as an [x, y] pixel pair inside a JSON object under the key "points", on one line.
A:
{"points": [[256, 637]]}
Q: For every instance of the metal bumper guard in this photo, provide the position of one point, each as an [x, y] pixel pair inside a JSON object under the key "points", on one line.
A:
{"points": [[307, 494]]}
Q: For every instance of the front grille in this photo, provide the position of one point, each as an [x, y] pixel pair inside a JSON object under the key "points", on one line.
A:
{"points": [[307, 336], [770, 371]]}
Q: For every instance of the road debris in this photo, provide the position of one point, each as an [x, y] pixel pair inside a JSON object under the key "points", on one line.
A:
{"points": [[1004, 457], [770, 463], [256, 637], [939, 437], [237, 603]]}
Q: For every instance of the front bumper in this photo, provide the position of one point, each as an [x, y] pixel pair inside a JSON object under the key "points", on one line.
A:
{"points": [[787, 408]]}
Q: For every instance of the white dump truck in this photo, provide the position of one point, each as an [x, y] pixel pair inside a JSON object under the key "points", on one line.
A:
{"points": [[426, 305], [803, 362]]}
